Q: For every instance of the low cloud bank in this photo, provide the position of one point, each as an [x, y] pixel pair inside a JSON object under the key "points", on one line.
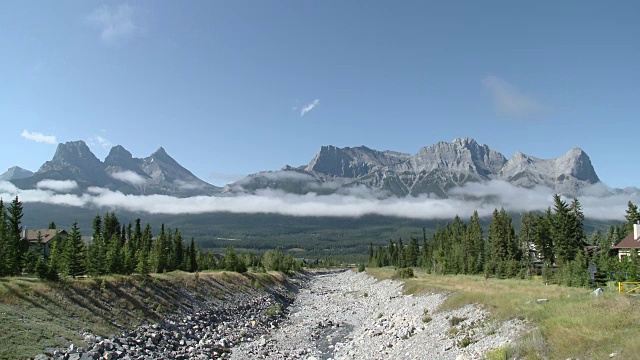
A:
{"points": [[129, 176], [57, 185], [483, 197]]}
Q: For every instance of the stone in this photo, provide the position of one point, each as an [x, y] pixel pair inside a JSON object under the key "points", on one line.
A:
{"points": [[596, 292]]}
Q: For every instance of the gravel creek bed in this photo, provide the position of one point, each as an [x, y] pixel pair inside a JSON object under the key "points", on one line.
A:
{"points": [[334, 315]]}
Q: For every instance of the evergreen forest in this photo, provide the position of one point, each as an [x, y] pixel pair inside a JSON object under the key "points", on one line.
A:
{"points": [[117, 248], [552, 245]]}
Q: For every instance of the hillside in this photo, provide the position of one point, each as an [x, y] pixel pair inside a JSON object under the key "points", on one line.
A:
{"points": [[40, 316]]}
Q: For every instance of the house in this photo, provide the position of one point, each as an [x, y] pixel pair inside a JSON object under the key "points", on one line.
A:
{"points": [[629, 243], [46, 237]]}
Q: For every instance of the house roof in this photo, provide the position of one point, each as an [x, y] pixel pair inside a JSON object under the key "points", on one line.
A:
{"points": [[628, 243], [46, 234]]}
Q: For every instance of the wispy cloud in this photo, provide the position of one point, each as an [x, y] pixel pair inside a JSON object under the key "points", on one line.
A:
{"points": [[483, 197], [100, 141], [224, 178], [309, 107], [114, 23], [508, 100], [39, 137], [129, 176]]}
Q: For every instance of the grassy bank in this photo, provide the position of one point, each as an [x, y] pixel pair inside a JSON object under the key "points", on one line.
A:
{"points": [[36, 315], [572, 324]]}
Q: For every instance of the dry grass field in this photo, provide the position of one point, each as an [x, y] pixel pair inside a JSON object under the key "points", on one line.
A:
{"points": [[572, 324]]}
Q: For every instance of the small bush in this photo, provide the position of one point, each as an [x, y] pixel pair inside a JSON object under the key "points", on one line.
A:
{"points": [[273, 310], [361, 267], [465, 341], [406, 273], [454, 320], [496, 354], [426, 319]]}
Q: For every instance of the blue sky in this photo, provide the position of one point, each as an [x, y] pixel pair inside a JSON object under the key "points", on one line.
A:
{"points": [[236, 87]]}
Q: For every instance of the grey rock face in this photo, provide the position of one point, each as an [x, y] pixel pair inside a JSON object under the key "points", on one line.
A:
{"points": [[435, 169], [75, 157], [15, 172], [352, 162], [567, 174]]}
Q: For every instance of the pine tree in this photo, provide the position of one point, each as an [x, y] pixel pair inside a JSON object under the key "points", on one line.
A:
{"points": [[74, 253], [177, 261], [158, 257], [562, 231], [52, 225], [413, 251], [577, 216], [115, 256], [633, 217], [193, 262], [475, 251], [542, 237], [14, 248], [97, 251], [527, 234], [402, 260], [232, 262], [4, 242]]}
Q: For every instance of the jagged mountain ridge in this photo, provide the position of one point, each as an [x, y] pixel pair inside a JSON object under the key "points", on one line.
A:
{"points": [[157, 174], [434, 169]]}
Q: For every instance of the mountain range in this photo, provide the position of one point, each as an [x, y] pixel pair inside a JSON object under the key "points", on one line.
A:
{"points": [[434, 170], [157, 174]]}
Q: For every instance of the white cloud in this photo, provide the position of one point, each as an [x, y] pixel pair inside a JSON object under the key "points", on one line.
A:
{"points": [[100, 141], [129, 176], [508, 100], [218, 177], [57, 185], [39, 137], [114, 23], [188, 185], [309, 107], [464, 201]]}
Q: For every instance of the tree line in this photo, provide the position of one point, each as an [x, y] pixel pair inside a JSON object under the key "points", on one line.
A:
{"points": [[117, 248], [552, 244]]}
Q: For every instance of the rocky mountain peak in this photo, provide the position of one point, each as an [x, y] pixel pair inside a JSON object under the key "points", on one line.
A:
{"points": [[162, 156], [462, 155], [577, 164], [352, 162], [160, 152], [75, 154], [118, 155], [15, 172]]}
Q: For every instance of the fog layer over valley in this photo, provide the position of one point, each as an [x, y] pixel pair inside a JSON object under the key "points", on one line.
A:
{"points": [[598, 201]]}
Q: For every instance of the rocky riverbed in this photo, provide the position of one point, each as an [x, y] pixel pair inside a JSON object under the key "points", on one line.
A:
{"points": [[351, 315], [334, 315]]}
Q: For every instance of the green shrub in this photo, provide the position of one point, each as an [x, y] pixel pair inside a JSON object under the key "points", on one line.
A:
{"points": [[454, 320], [406, 273]]}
